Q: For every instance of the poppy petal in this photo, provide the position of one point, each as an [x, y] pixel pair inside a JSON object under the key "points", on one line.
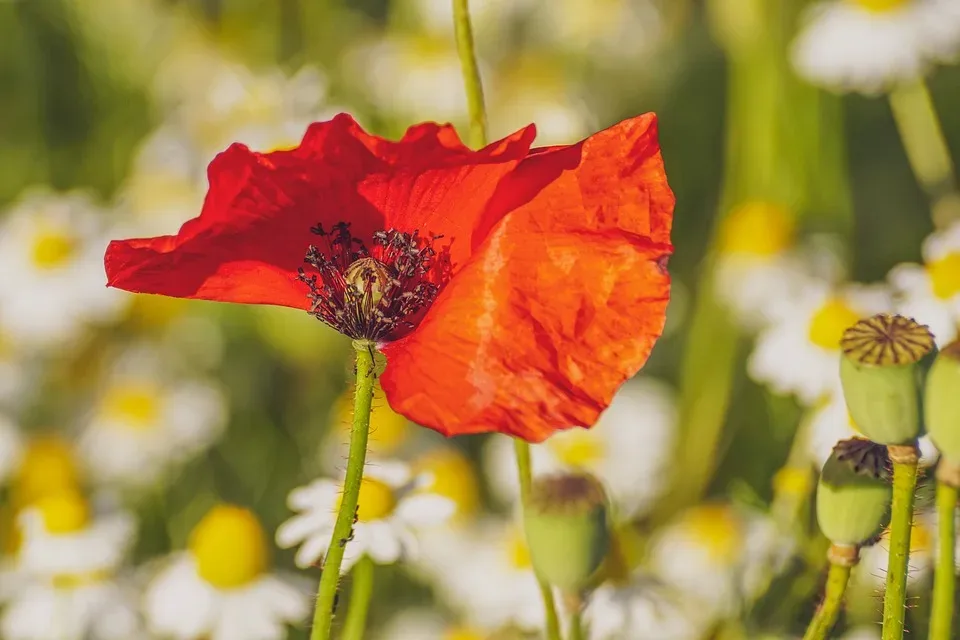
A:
{"points": [[561, 303], [254, 230]]}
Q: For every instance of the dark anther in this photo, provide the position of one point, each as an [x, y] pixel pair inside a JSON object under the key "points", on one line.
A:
{"points": [[370, 294]]}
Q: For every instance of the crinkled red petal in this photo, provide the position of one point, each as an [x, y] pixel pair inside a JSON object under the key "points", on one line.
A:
{"points": [[254, 229], [561, 303]]}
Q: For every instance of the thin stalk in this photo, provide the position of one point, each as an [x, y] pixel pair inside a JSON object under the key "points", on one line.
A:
{"points": [[901, 524], [471, 73], [576, 625], [944, 578], [524, 470], [926, 148], [829, 610], [360, 593], [330, 577]]}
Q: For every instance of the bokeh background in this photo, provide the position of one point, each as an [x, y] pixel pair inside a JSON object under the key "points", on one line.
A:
{"points": [[161, 409]]}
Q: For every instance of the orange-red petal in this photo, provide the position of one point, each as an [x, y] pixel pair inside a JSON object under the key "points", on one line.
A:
{"points": [[562, 302], [254, 229]]}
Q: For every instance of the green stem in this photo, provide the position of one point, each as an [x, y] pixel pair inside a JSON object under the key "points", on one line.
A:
{"points": [[926, 148], [945, 578], [576, 625], [360, 594], [524, 470], [471, 73], [829, 609], [330, 577], [901, 523]]}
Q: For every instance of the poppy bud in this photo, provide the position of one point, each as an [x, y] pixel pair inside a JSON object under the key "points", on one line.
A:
{"points": [[852, 507], [942, 402], [879, 376], [566, 525]]}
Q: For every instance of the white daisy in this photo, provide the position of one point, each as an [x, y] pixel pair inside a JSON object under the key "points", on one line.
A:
{"points": [[870, 45], [642, 609], [147, 420], [220, 588], [98, 610], [799, 352], [719, 554], [51, 261], [393, 506], [628, 449], [830, 423], [484, 573], [64, 574], [930, 293], [11, 448], [756, 262]]}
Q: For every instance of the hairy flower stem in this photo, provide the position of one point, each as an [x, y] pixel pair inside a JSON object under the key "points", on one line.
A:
{"points": [[905, 459], [944, 578], [471, 73], [360, 593], [927, 149], [524, 471], [346, 514], [842, 560]]}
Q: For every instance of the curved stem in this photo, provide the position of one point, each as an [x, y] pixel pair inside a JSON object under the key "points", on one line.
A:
{"points": [[330, 577], [945, 578], [901, 523], [522, 450], [829, 609], [360, 593], [471, 73], [926, 149]]}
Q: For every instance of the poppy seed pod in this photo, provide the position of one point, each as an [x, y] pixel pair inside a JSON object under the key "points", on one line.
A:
{"points": [[879, 375], [942, 402], [566, 525], [852, 507]]}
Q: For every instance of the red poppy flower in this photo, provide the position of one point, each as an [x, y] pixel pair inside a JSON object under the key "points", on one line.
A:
{"points": [[511, 289]]}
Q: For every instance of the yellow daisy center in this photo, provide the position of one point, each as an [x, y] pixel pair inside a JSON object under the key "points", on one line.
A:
{"points": [[453, 477], [136, 405], [757, 229], [463, 633], [229, 547], [377, 500], [578, 448], [388, 429], [717, 529], [48, 467], [830, 321], [945, 276], [52, 249], [881, 6], [518, 553], [151, 312], [64, 512]]}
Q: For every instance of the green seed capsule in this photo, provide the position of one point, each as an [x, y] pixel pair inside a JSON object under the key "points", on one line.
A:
{"points": [[852, 507], [567, 530], [942, 402], [879, 374]]}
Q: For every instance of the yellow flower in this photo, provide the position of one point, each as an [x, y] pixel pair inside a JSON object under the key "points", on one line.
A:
{"points": [[229, 547]]}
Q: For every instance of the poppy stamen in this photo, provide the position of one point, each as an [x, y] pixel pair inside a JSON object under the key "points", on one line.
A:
{"points": [[367, 294]]}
